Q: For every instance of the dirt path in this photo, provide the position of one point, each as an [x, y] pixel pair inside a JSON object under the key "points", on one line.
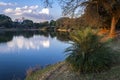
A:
{"points": [[60, 73]]}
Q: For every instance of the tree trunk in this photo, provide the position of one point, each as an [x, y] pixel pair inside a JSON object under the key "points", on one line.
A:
{"points": [[113, 27]]}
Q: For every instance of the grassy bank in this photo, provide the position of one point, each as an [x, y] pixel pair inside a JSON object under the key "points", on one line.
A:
{"points": [[45, 73]]}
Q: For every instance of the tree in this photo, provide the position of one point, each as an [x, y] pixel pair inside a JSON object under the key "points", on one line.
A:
{"points": [[5, 21], [63, 22], [106, 7], [52, 23], [44, 24], [37, 25], [28, 23], [94, 8]]}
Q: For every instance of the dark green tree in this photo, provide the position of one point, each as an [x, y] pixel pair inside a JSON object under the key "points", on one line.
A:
{"points": [[28, 23], [44, 24], [5, 21], [52, 23]]}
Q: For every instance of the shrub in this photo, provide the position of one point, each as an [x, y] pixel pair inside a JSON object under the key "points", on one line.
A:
{"points": [[88, 54]]}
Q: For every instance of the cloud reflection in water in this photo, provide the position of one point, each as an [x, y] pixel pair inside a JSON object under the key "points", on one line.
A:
{"points": [[19, 43]]}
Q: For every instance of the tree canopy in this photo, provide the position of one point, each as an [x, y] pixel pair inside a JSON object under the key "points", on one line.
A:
{"points": [[102, 12], [5, 21], [105, 10], [28, 23], [52, 23]]}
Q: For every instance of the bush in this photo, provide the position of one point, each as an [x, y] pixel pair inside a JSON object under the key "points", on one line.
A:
{"points": [[88, 54]]}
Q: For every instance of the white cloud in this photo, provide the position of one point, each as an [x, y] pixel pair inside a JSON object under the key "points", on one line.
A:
{"points": [[7, 4], [30, 12], [18, 14], [25, 7], [22, 10], [17, 10], [44, 11], [27, 11], [9, 10], [34, 7]]}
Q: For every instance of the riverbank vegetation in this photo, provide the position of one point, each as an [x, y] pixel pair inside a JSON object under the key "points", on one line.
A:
{"points": [[88, 53], [90, 57], [87, 58]]}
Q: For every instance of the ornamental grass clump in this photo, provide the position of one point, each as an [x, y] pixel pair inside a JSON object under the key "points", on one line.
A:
{"points": [[88, 54]]}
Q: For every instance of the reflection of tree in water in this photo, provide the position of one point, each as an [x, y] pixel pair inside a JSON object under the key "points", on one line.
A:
{"points": [[44, 33], [52, 34], [26, 34], [6, 36], [63, 36]]}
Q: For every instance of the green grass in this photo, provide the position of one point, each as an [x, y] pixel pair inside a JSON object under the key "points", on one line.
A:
{"points": [[41, 73]]}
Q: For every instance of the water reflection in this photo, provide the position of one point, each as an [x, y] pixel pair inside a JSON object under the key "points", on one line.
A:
{"points": [[9, 35], [29, 43], [20, 50], [20, 42], [11, 41]]}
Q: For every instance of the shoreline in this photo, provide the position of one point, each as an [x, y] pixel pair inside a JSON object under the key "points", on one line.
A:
{"points": [[19, 29], [60, 71], [58, 30]]}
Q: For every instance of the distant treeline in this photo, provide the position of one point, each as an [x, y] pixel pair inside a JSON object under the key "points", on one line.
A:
{"points": [[6, 22], [63, 23]]}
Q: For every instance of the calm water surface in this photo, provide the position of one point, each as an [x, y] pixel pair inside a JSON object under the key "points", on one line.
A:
{"points": [[20, 51]]}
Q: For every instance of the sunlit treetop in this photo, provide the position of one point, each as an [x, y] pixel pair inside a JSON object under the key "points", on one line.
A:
{"points": [[93, 9]]}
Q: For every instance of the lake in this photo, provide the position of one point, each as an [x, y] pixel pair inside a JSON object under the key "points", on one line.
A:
{"points": [[21, 50]]}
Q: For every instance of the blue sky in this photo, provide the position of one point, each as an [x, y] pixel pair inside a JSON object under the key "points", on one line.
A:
{"points": [[29, 9]]}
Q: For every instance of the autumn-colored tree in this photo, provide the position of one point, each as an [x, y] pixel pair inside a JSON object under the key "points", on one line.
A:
{"points": [[103, 9], [95, 10], [63, 22]]}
